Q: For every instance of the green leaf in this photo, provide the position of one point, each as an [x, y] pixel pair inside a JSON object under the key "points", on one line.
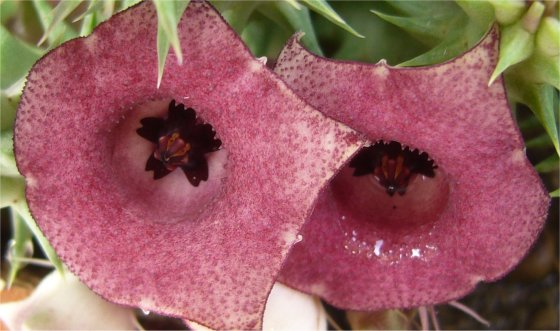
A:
{"points": [[16, 58], [542, 99], [169, 12], [59, 32], [294, 4], [508, 12], [8, 108], [263, 35], [448, 28], [7, 160], [128, 3], [516, 45], [92, 8], [518, 40], [541, 142], [12, 194], [540, 68], [13, 190], [323, 8], [89, 22], [454, 44], [555, 194], [58, 14], [301, 21], [8, 9], [23, 210], [108, 9], [428, 31], [411, 8], [237, 13], [382, 39], [548, 37], [293, 20], [480, 13], [549, 164], [21, 242]]}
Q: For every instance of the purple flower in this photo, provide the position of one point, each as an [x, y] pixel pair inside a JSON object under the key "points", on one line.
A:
{"points": [[442, 199], [183, 200]]}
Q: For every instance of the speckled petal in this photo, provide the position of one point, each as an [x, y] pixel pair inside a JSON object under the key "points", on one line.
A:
{"points": [[474, 221], [288, 310], [208, 253]]}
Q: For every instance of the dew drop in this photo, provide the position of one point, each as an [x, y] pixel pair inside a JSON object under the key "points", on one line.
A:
{"points": [[145, 312], [299, 238], [377, 248]]}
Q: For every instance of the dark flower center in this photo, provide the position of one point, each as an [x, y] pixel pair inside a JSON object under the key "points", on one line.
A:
{"points": [[181, 141], [392, 165], [172, 151]]}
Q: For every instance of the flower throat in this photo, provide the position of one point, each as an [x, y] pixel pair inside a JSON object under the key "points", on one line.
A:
{"points": [[392, 165]]}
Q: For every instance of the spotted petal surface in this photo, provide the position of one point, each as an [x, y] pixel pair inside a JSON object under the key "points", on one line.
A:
{"points": [[209, 253], [475, 220]]}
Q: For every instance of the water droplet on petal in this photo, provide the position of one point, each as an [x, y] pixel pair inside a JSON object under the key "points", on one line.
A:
{"points": [[377, 248]]}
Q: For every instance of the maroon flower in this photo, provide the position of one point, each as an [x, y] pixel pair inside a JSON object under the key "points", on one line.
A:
{"points": [[469, 204], [99, 146]]}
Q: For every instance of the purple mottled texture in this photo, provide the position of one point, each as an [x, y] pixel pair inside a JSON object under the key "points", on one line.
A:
{"points": [[209, 253], [474, 221]]}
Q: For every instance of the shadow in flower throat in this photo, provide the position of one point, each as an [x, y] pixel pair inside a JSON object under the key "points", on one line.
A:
{"points": [[391, 185], [164, 136]]}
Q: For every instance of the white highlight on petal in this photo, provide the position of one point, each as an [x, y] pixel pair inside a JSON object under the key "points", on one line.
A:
{"points": [[518, 156], [377, 248], [63, 303], [256, 66], [382, 71]]}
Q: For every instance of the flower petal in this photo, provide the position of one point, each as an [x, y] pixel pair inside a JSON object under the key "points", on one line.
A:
{"points": [[474, 221], [208, 253], [150, 128], [288, 309]]}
